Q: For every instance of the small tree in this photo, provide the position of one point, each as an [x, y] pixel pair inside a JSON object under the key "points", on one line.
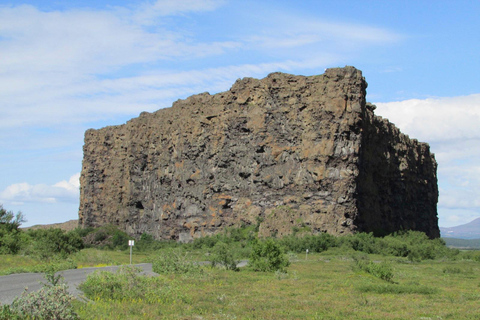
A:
{"points": [[9, 221], [55, 242], [268, 256], [222, 255], [11, 239]]}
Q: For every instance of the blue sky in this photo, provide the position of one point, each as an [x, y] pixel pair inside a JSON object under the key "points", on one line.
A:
{"points": [[66, 66]]}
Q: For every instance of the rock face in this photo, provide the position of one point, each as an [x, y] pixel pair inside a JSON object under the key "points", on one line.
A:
{"points": [[286, 152]]}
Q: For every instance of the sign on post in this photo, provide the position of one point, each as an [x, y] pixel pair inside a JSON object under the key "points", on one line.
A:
{"points": [[131, 243]]}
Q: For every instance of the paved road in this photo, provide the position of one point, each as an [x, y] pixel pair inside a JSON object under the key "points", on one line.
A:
{"points": [[13, 285]]}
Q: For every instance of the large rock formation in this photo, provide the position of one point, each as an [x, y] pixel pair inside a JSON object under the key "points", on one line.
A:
{"points": [[287, 152]]}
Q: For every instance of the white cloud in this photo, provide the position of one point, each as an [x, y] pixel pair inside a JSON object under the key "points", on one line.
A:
{"points": [[149, 13], [436, 119], [280, 31], [63, 191], [54, 64], [451, 127]]}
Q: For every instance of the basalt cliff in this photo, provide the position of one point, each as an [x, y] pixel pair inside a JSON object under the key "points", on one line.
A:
{"points": [[287, 153]]}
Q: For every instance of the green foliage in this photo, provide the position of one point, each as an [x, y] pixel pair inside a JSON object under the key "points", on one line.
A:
{"points": [[314, 243], [127, 284], [416, 246], [473, 255], [9, 220], [147, 243], [53, 279], [119, 240], [222, 255], [82, 232], [451, 270], [50, 302], [12, 239], [268, 256], [12, 242], [174, 261], [390, 288], [240, 236], [48, 243], [6, 313], [104, 237], [363, 242], [382, 270]]}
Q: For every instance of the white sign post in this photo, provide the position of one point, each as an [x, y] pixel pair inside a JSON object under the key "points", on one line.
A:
{"points": [[306, 254], [131, 243]]}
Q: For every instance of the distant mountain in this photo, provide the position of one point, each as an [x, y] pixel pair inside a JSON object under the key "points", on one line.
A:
{"points": [[470, 230]]}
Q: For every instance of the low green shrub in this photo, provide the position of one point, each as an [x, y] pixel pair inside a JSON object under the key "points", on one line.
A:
{"points": [[50, 302], [174, 261], [314, 243], [473, 255], [222, 255], [6, 313], [382, 270], [48, 243], [242, 236], [396, 289], [267, 255], [12, 239], [363, 242], [451, 270]]}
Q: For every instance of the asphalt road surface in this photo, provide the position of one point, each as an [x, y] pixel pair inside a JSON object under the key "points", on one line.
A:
{"points": [[13, 285]]}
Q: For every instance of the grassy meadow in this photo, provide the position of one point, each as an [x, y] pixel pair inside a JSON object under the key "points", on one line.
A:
{"points": [[400, 276], [325, 286]]}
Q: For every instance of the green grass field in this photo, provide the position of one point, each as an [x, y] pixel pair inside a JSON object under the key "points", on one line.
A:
{"points": [[326, 286], [408, 277]]}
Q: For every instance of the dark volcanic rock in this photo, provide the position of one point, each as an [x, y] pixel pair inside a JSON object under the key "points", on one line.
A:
{"points": [[287, 151]]}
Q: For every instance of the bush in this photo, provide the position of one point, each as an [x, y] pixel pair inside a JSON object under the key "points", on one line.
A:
{"points": [[243, 236], [6, 313], [473, 255], [46, 243], [11, 238], [269, 256], [222, 255], [174, 261], [50, 302], [363, 242], [12, 242], [107, 236], [9, 221], [382, 270], [314, 243]]}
